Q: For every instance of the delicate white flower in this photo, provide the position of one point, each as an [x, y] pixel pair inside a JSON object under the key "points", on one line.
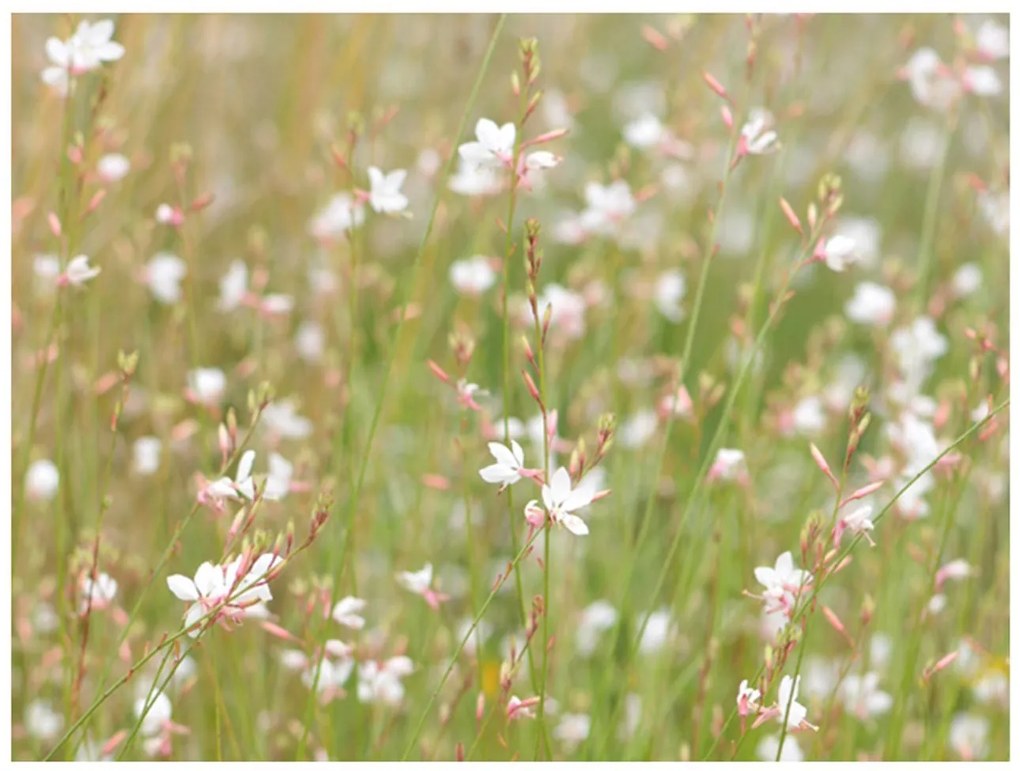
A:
{"points": [[992, 40], [508, 466], [747, 698], [729, 464], [992, 688], [242, 485], [341, 214], [809, 416], [494, 146], [871, 304], [278, 479], [385, 195], [169, 215], [757, 136], [608, 206], [42, 480], [862, 697], [145, 454], [346, 611], [542, 159], [597, 618], [561, 501], [206, 385], [233, 286], [516, 708], [567, 315], [472, 180], [838, 252], [103, 590], [113, 167], [42, 721], [417, 582], [967, 279], [670, 288], [275, 304], [382, 682], [858, 520], [310, 341], [916, 347], [792, 712], [333, 673], [472, 276], [783, 576], [46, 268], [929, 82], [282, 419], [769, 747], [644, 132], [159, 713], [657, 632], [163, 275], [982, 80], [994, 207], [78, 271], [85, 50], [968, 736], [572, 730], [638, 429]]}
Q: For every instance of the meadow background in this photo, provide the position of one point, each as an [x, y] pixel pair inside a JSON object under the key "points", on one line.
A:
{"points": [[250, 125]]}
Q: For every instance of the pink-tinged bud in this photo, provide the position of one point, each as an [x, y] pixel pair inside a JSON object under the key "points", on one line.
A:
{"points": [[202, 201], [480, 707], [791, 215], [548, 136], [438, 371], [74, 154], [654, 38], [459, 752], [552, 424], [823, 465], [113, 742], [727, 116], [939, 665], [183, 430], [106, 382], [435, 481], [715, 85], [532, 388], [279, 631], [861, 492], [836, 624], [534, 514], [96, 199], [54, 222]]}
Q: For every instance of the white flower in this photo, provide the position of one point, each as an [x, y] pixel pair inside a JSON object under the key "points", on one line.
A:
{"points": [[42, 721], [871, 304], [638, 429], [42, 480], [792, 712], [385, 195], [644, 132], [282, 419], [783, 576], [382, 682], [85, 50], [968, 736], [472, 276], [542, 159], [982, 80], [113, 167], [862, 697], [158, 715], [163, 275], [572, 730], [310, 341], [509, 463], [838, 252], [471, 180], [79, 271], [341, 214], [917, 346], [346, 611], [994, 207], [992, 688], [145, 454], [102, 592], [597, 618], [206, 385], [747, 698], [494, 146], [233, 286], [278, 479], [992, 40], [967, 279], [47, 268], [858, 520], [670, 288], [561, 501], [567, 313], [757, 136], [729, 464], [657, 632], [241, 485], [769, 746], [333, 672], [928, 84], [418, 582], [220, 588], [608, 206], [809, 416]]}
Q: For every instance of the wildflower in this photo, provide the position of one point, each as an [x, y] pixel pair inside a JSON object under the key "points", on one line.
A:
{"points": [[346, 611], [757, 136], [206, 386], [102, 591], [472, 180], [494, 146], [992, 40], [113, 167], [328, 674], [982, 81], [916, 347], [242, 485], [145, 454], [968, 736], [871, 304], [561, 501], [638, 429], [78, 271], [385, 195], [670, 288], [608, 206], [42, 721], [85, 50], [857, 521], [966, 280], [472, 276], [163, 275], [931, 83], [381, 682], [542, 159], [278, 479], [157, 726], [595, 619], [992, 688], [837, 252], [862, 697], [342, 213], [281, 419], [508, 466], [782, 584], [729, 465], [520, 708], [567, 315], [169, 215], [225, 590], [420, 582], [769, 747], [954, 570], [572, 730], [233, 286], [657, 632], [788, 710], [809, 416], [42, 480], [644, 132], [747, 699], [310, 341]]}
